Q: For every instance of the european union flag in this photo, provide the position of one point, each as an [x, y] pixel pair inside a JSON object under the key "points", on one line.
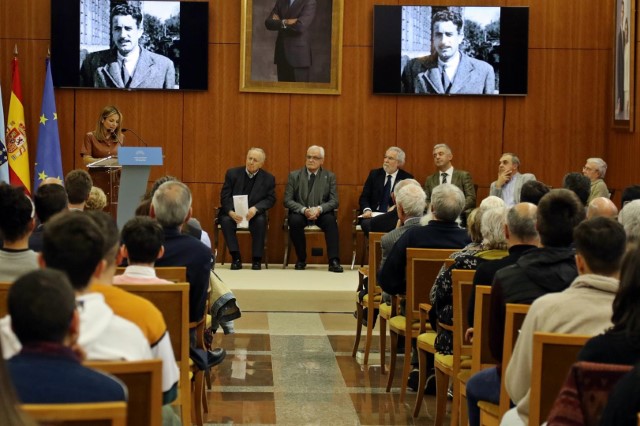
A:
{"points": [[48, 158]]}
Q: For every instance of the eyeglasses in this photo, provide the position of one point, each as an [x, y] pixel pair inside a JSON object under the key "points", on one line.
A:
{"points": [[314, 157], [589, 169], [387, 157]]}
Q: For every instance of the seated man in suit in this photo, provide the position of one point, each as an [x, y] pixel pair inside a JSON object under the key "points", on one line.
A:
{"points": [[510, 180], [376, 194], [445, 173], [259, 185], [311, 197], [48, 368]]}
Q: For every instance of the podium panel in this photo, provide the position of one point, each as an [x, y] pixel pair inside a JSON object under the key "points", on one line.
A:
{"points": [[107, 178]]}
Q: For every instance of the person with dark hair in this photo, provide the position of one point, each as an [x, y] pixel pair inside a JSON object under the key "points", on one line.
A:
{"points": [[74, 244], [448, 71], [127, 65], [578, 183], [49, 199], [583, 308], [48, 368], [78, 184], [509, 184], [10, 411], [532, 191], [142, 239], [17, 221], [630, 193]]}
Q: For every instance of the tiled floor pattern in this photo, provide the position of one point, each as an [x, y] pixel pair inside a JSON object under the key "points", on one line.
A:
{"points": [[297, 369]]}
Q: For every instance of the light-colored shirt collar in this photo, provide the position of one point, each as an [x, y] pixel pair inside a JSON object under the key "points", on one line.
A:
{"points": [[139, 271], [131, 60], [451, 66], [251, 175], [449, 173]]}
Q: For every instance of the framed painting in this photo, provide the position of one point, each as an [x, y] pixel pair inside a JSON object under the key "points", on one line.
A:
{"points": [[291, 46], [624, 64]]}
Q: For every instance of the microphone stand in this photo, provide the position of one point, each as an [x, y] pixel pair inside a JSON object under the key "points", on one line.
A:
{"points": [[136, 135]]}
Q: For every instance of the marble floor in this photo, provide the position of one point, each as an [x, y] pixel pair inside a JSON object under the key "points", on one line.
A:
{"points": [[296, 369]]}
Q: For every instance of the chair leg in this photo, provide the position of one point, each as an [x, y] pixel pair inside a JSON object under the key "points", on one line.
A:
{"points": [[442, 386], [354, 245], [287, 243], [365, 250], [383, 344], [464, 417], [455, 404], [367, 344], [356, 343], [406, 367], [422, 359], [392, 362], [197, 398]]}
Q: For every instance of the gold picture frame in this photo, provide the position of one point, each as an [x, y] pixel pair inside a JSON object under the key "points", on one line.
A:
{"points": [[624, 64], [323, 44]]}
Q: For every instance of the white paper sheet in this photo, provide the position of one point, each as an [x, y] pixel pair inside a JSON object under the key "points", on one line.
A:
{"points": [[241, 207]]}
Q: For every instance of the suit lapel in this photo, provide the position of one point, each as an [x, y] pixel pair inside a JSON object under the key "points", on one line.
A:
{"points": [[140, 73], [113, 70], [464, 71], [434, 77]]}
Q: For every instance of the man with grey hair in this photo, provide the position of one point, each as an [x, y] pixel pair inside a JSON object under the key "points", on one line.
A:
{"points": [[376, 193], [595, 169], [629, 218], [602, 207], [509, 183], [445, 173], [447, 202], [311, 196]]}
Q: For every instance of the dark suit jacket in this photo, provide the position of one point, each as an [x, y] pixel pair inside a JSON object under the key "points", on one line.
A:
{"points": [[102, 69], [473, 76], [262, 195], [373, 186], [323, 194], [436, 234], [461, 179], [292, 43]]}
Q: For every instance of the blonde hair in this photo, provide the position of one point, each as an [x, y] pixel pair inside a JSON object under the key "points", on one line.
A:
{"points": [[108, 111], [97, 199]]}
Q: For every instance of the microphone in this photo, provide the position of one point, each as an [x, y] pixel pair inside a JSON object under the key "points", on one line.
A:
{"points": [[136, 135]]}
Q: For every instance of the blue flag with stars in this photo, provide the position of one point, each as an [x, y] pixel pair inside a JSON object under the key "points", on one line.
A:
{"points": [[4, 160], [48, 158]]}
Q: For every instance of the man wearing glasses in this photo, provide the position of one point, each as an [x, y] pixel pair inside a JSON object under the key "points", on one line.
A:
{"points": [[311, 197]]}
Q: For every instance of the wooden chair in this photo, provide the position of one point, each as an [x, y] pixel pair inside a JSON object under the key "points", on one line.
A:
{"points": [[243, 231], [144, 382], [176, 274], [371, 301], [553, 356], [84, 414], [449, 366], [173, 301], [423, 266], [355, 230], [491, 414], [198, 394], [311, 229], [4, 294]]}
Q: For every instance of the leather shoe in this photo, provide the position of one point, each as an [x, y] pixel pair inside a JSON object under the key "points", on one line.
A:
{"points": [[300, 266], [256, 266], [236, 264], [334, 266], [215, 356]]}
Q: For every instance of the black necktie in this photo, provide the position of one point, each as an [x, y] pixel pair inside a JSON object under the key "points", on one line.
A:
{"points": [[386, 192], [312, 179], [126, 78], [444, 178], [446, 83]]}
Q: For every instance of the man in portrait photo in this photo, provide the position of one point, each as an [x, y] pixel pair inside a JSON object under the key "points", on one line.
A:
{"points": [[127, 65], [448, 70], [622, 65], [293, 56]]}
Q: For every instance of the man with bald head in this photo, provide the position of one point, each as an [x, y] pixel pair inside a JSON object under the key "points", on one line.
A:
{"points": [[602, 207]]}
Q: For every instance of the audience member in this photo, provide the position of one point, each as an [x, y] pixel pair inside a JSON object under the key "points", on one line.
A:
{"points": [[579, 184], [49, 199], [447, 202], [78, 184], [630, 193], [445, 173], [48, 369], [17, 221], [376, 196], [73, 243], [508, 186], [97, 199], [623, 403], [532, 191], [583, 308], [602, 207], [629, 217], [595, 169], [142, 239], [10, 411]]}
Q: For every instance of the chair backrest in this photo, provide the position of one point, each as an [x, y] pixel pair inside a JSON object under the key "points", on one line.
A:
{"points": [[482, 357], [423, 266], [375, 255], [462, 282], [515, 315], [144, 382], [85, 414], [553, 355], [176, 274], [4, 295]]}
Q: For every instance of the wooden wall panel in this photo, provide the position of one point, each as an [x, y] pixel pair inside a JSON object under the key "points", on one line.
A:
{"points": [[358, 21], [224, 16], [25, 19]]}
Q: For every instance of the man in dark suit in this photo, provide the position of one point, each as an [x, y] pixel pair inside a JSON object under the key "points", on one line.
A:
{"points": [[448, 71], [127, 65], [445, 173], [376, 194], [311, 197], [259, 185], [292, 19]]}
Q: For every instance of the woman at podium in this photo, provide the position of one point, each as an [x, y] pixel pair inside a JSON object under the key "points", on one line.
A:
{"points": [[104, 140]]}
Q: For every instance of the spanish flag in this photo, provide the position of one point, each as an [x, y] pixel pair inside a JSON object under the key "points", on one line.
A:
{"points": [[17, 148]]}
